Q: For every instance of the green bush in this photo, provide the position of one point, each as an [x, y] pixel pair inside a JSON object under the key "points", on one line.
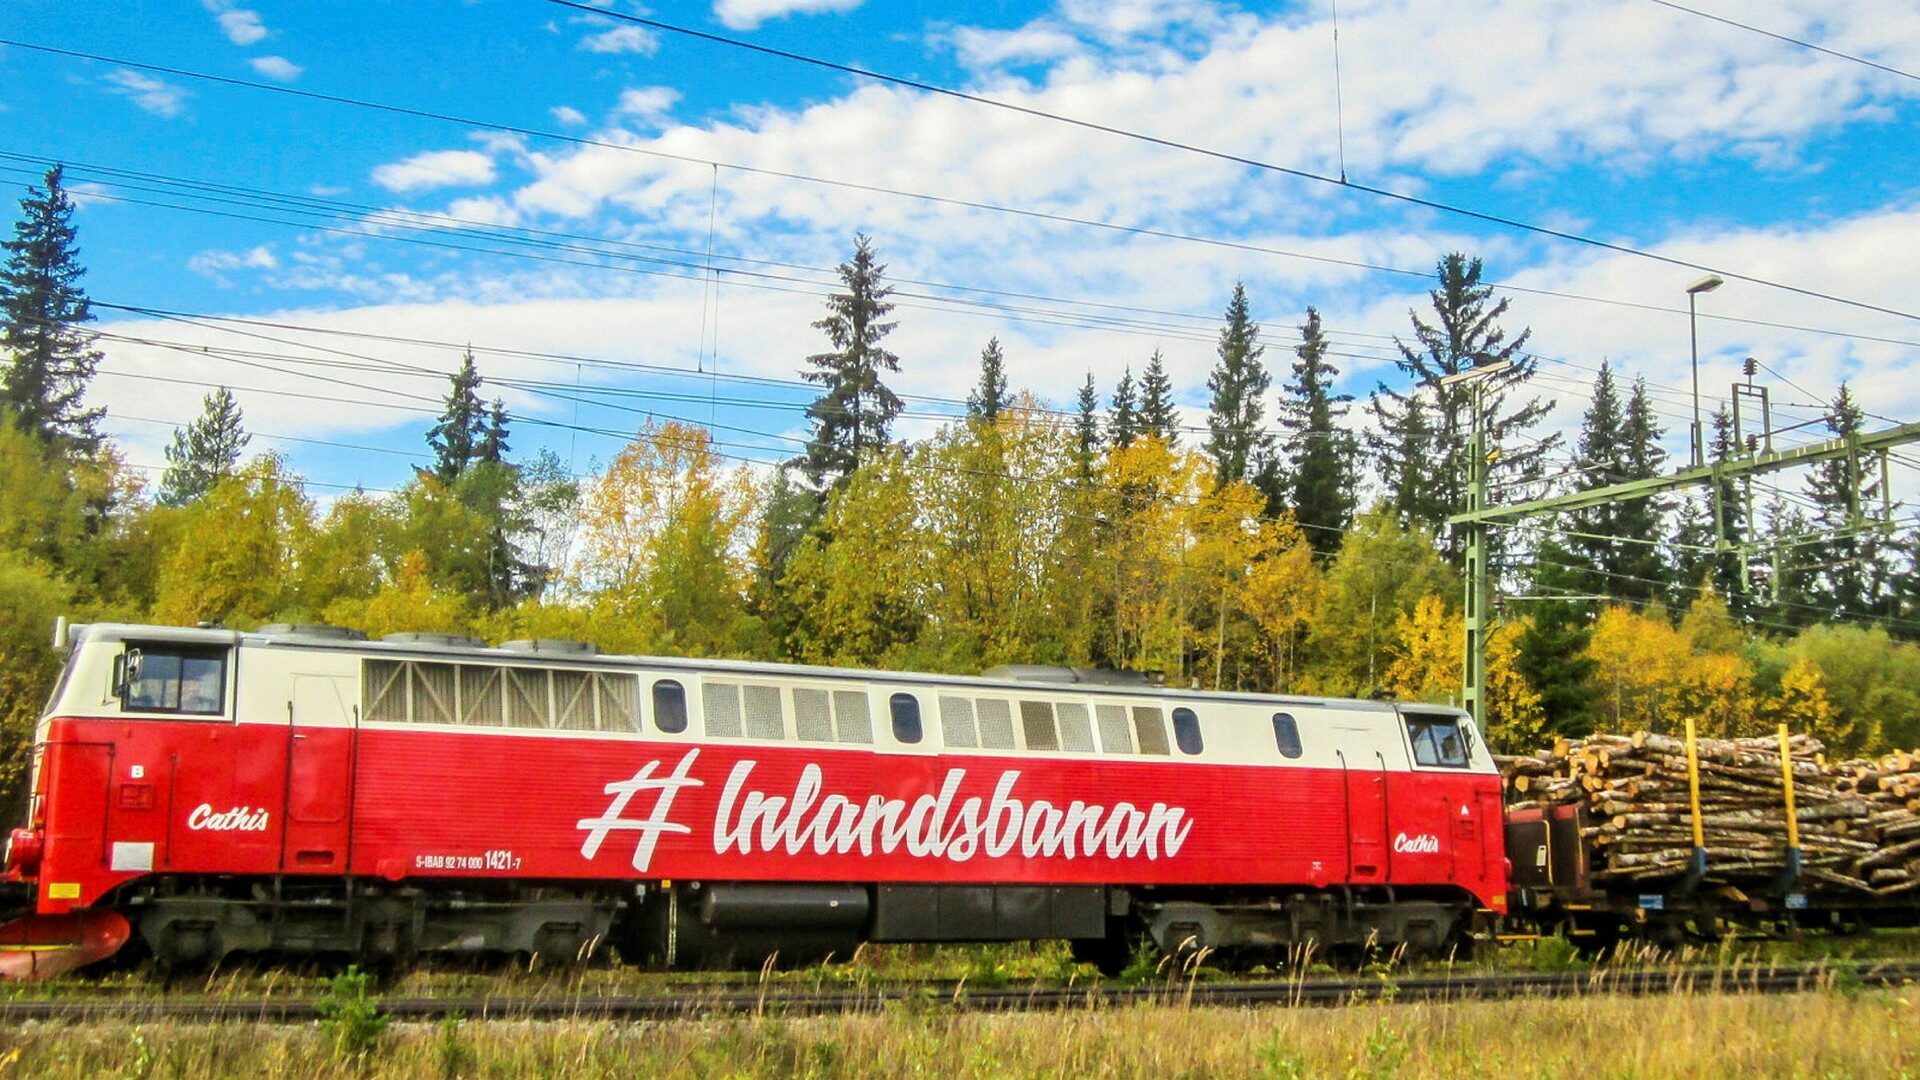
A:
{"points": [[350, 1016]]}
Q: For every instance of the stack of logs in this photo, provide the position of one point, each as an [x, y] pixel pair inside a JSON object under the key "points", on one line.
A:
{"points": [[1859, 820]]}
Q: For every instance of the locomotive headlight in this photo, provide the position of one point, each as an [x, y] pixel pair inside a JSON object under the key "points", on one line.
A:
{"points": [[23, 851]]}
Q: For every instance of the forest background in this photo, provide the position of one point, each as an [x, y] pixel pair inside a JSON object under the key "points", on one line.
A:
{"points": [[1300, 552]]}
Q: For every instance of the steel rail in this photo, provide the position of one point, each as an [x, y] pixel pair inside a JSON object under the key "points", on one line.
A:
{"points": [[694, 1002]]}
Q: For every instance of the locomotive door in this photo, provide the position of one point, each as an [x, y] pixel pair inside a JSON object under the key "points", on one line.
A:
{"points": [[1366, 798], [320, 737]]}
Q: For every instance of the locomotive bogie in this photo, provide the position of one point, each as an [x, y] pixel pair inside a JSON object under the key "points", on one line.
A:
{"points": [[1320, 924], [195, 923]]}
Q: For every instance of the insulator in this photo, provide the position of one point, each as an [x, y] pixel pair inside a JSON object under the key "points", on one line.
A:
{"points": [[1750, 367]]}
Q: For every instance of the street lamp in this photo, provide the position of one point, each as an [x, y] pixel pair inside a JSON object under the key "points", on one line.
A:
{"points": [[1704, 285]]}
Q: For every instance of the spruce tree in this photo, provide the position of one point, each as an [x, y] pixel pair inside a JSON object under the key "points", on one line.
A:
{"points": [[1403, 452], [1849, 573], [852, 414], [1791, 568], [1322, 454], [1086, 431], [1553, 652], [493, 444], [1158, 416], [1698, 532], [1645, 573], [1904, 587], [1123, 419], [1239, 446], [991, 396], [462, 426], [206, 452], [1466, 333], [49, 355], [1595, 543]]}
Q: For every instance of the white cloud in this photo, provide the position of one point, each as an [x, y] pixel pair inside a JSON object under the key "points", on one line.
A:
{"points": [[622, 39], [157, 96], [242, 27], [1116, 20], [568, 115], [484, 210], [647, 102], [276, 67], [1029, 44], [216, 262], [1560, 97], [748, 14], [1566, 91], [435, 169]]}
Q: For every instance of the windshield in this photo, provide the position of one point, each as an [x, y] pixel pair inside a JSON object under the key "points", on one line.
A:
{"points": [[1438, 740]]}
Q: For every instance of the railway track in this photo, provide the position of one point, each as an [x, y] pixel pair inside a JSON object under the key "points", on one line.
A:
{"points": [[733, 1000]]}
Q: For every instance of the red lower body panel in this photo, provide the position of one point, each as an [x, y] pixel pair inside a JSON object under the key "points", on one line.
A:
{"points": [[127, 799]]}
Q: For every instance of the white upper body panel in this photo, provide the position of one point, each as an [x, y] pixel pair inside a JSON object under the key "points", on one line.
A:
{"points": [[223, 676]]}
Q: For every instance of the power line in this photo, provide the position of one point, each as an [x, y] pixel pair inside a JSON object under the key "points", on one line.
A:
{"points": [[1221, 155], [436, 224], [912, 465], [942, 200], [1803, 43]]}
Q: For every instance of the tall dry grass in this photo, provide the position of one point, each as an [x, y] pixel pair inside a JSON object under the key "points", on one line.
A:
{"points": [[1823, 1035]]}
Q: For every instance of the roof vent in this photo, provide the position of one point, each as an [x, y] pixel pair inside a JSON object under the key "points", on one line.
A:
{"points": [[555, 646], [448, 641], [1090, 676], [320, 631]]}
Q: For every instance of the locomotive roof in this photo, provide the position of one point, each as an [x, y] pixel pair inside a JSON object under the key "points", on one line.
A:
{"points": [[211, 636]]}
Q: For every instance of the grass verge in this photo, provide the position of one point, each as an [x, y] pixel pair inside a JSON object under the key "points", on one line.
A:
{"points": [[1823, 1035]]}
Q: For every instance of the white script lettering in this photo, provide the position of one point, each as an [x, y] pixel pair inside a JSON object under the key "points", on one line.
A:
{"points": [[649, 827], [1423, 844], [238, 819], [942, 826]]}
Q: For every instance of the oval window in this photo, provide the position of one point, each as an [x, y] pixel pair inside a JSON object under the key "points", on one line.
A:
{"points": [[1186, 731], [1286, 735], [669, 706], [906, 718]]}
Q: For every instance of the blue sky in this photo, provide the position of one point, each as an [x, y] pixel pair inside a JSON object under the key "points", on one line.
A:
{"points": [[1619, 119]]}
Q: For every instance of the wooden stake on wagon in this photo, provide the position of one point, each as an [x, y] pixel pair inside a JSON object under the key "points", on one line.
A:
{"points": [[1790, 876], [1699, 868]]}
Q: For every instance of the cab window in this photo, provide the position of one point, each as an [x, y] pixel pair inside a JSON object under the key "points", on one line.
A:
{"points": [[192, 682], [1438, 741], [905, 709]]}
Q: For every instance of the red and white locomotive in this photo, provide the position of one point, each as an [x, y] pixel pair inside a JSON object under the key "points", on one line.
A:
{"points": [[301, 789]]}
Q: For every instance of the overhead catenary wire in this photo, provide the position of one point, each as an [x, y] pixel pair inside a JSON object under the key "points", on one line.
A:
{"points": [[1174, 331], [1010, 477], [1225, 156], [576, 397], [1163, 331], [1788, 39], [365, 221], [1027, 212], [431, 400]]}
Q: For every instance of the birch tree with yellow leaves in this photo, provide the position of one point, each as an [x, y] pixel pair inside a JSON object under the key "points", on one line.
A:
{"points": [[664, 538]]}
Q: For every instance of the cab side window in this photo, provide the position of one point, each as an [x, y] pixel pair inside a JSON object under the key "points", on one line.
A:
{"points": [[191, 682], [1437, 741]]}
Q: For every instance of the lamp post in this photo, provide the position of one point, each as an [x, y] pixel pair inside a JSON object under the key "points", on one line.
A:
{"points": [[1704, 285]]}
